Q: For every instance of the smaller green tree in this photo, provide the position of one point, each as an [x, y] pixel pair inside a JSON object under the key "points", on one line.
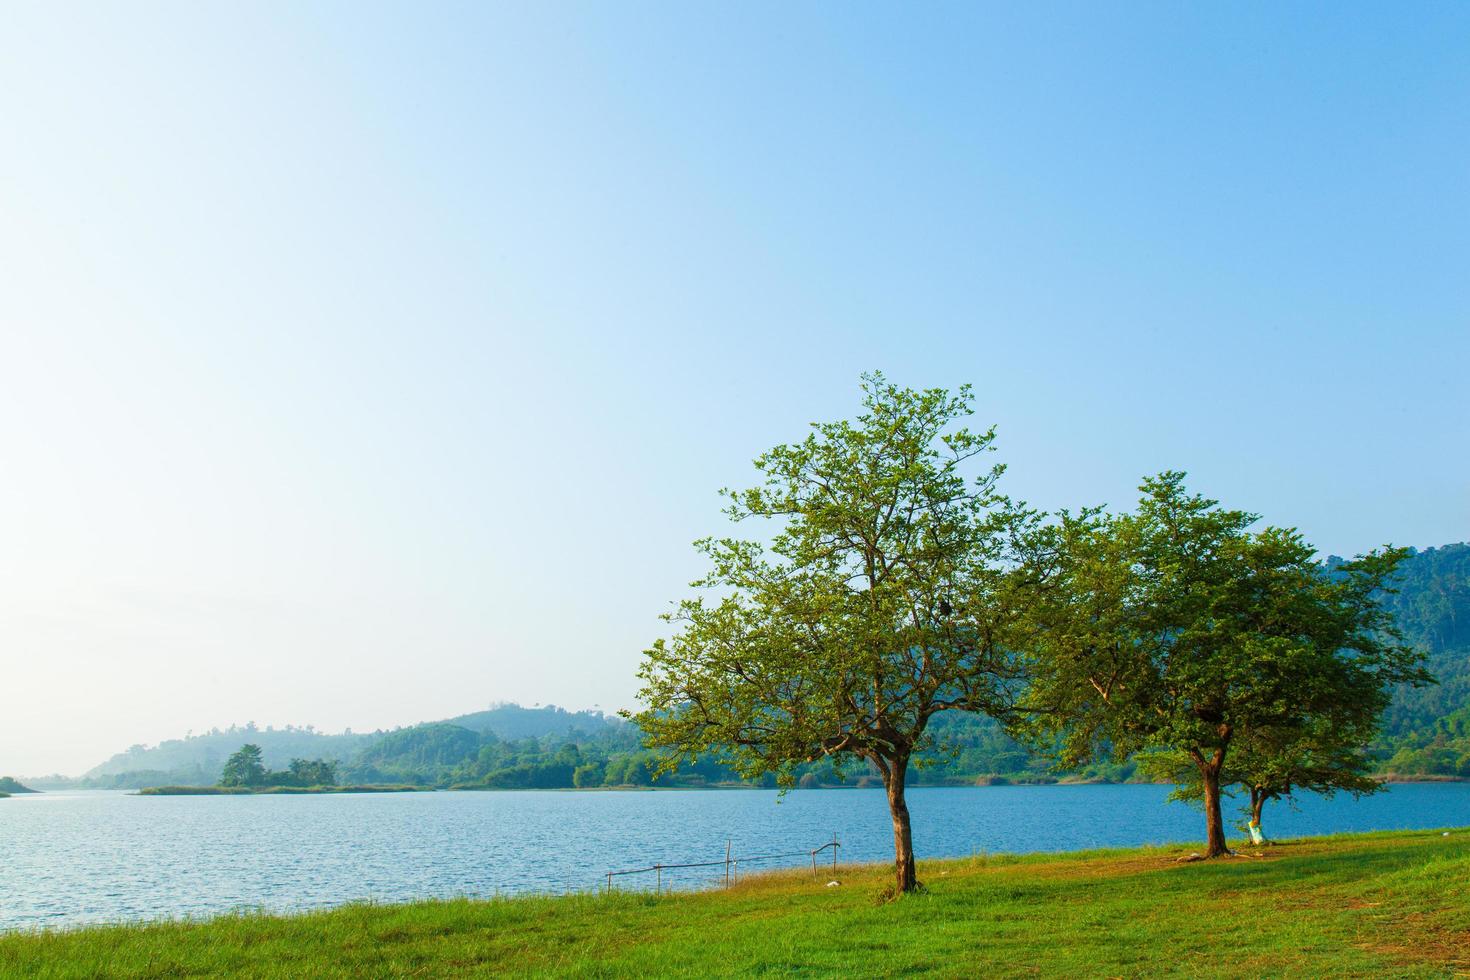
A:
{"points": [[1278, 763], [1177, 629], [244, 768], [1317, 758]]}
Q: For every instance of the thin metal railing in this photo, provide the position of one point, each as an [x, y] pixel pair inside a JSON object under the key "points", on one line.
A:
{"points": [[731, 864]]}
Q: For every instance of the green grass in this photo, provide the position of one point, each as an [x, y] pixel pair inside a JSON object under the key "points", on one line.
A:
{"points": [[1390, 904]]}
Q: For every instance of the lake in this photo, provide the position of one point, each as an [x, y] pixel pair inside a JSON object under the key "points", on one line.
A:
{"points": [[70, 858]]}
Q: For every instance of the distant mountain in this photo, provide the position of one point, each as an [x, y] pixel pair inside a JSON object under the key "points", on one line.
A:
{"points": [[9, 786], [197, 759]]}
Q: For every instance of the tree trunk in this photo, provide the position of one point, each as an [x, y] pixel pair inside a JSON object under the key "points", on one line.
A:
{"points": [[1215, 826], [903, 836]]}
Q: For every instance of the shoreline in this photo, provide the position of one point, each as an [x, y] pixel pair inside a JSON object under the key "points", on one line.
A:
{"points": [[1388, 780], [275, 790], [1112, 912]]}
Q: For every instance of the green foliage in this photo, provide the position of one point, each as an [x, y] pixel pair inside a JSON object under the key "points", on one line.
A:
{"points": [[1176, 629], [410, 750], [511, 721], [1441, 748], [244, 768], [885, 594], [1432, 601], [1425, 729], [306, 772]]}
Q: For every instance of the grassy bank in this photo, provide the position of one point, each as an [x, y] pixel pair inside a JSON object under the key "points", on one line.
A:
{"points": [[274, 790], [1393, 904]]}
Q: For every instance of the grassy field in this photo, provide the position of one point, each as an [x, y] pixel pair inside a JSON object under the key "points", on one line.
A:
{"points": [[1392, 904]]}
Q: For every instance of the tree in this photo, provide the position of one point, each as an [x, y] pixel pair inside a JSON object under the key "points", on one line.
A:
{"points": [[1176, 629], [244, 768], [887, 593], [1316, 758], [587, 775], [1324, 754], [310, 772]]}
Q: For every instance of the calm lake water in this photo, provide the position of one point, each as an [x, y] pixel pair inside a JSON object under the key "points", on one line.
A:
{"points": [[72, 858]]}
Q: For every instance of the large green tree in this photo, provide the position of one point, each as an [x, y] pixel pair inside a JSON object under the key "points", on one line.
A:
{"points": [[888, 588], [244, 768], [1177, 628]]}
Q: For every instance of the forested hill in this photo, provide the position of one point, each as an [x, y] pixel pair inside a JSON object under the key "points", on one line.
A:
{"points": [[197, 759], [1426, 731], [513, 721]]}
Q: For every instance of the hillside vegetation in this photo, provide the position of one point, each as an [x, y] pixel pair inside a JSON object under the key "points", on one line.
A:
{"points": [[1427, 731], [1394, 904]]}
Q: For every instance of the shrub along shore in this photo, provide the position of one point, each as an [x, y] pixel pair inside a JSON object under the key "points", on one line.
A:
{"points": [[1386, 904], [273, 790], [661, 787]]}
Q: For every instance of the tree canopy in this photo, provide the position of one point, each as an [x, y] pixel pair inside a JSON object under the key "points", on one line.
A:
{"points": [[1177, 629], [244, 768], [889, 588]]}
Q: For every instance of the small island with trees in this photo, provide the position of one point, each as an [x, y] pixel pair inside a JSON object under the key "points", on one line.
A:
{"points": [[10, 786], [245, 774]]}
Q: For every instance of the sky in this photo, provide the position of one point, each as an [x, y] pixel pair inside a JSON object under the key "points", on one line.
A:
{"points": [[364, 364]]}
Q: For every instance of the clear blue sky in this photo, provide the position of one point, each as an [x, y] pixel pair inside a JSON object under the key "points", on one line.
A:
{"points": [[363, 364]]}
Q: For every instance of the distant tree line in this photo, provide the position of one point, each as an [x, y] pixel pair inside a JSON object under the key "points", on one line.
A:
{"points": [[245, 769]]}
